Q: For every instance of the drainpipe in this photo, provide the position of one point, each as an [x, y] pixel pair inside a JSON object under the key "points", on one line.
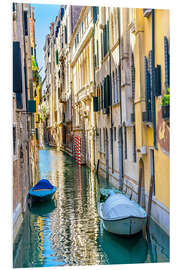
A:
{"points": [[111, 101], [153, 82], [120, 135]]}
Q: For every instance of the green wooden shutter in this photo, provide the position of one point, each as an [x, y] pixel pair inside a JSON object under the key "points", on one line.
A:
{"points": [[107, 36], [157, 76], [109, 90], [25, 24], [147, 85], [101, 96], [105, 40], [104, 93], [19, 104], [37, 135], [95, 104], [133, 81], [166, 62], [65, 29], [31, 106], [17, 69], [57, 57], [94, 14]]}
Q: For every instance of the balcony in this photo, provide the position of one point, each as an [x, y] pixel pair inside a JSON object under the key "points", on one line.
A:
{"points": [[147, 117]]}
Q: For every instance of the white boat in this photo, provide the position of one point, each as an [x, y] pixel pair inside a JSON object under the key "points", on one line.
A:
{"points": [[120, 215]]}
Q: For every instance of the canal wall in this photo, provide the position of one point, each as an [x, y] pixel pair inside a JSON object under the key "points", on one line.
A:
{"points": [[17, 220]]}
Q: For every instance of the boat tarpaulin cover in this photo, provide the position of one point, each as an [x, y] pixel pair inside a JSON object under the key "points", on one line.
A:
{"points": [[43, 184]]}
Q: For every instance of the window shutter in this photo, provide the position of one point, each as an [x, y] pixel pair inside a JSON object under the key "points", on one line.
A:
{"points": [[94, 14], [133, 81], [166, 62], [17, 71], [65, 34], [107, 93], [107, 37], [57, 57], [19, 101], [95, 104], [99, 100], [105, 40], [109, 90], [158, 81], [150, 67], [147, 85], [37, 135], [102, 96], [31, 106], [25, 24], [62, 13]]}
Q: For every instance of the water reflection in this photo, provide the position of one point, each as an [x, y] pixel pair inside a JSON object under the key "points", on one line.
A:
{"points": [[67, 230]]}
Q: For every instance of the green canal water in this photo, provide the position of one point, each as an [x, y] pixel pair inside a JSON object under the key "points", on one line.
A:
{"points": [[67, 230]]}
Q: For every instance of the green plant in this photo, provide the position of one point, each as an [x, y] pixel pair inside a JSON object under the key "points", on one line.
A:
{"points": [[165, 100]]}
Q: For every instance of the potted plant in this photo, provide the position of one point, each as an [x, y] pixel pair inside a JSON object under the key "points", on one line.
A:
{"points": [[165, 104]]}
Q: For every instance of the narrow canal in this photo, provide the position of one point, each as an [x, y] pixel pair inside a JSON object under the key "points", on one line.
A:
{"points": [[67, 230]]}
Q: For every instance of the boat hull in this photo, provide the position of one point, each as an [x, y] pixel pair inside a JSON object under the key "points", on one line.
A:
{"points": [[41, 196], [128, 226], [125, 226]]}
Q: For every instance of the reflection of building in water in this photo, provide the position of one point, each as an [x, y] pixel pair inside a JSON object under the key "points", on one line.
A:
{"points": [[75, 223]]}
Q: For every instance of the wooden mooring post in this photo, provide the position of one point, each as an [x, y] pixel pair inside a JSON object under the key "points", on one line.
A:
{"points": [[139, 186], [150, 201]]}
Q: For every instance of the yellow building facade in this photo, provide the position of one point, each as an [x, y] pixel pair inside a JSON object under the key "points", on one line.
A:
{"points": [[150, 35]]}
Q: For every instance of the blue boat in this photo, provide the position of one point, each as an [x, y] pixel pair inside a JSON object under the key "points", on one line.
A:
{"points": [[42, 191]]}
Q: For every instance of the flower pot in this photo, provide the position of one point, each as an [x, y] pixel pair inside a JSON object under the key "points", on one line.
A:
{"points": [[165, 112]]}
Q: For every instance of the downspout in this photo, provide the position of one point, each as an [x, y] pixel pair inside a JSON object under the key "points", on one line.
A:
{"points": [[153, 81], [120, 130], [111, 99]]}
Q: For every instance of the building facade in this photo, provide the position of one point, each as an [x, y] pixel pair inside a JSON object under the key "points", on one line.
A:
{"points": [[24, 107]]}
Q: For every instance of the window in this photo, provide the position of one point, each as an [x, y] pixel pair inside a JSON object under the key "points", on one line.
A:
{"points": [[14, 141], [125, 142], [113, 86], [104, 136], [134, 143], [82, 27], [115, 133], [100, 140], [116, 85]]}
